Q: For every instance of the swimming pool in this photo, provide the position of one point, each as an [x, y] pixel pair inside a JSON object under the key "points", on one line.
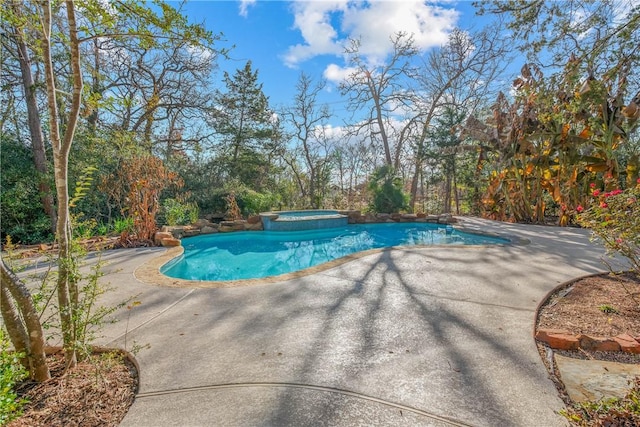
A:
{"points": [[251, 255]]}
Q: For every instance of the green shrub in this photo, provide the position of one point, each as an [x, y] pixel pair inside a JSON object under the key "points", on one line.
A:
{"points": [[386, 190], [121, 225], [174, 212], [102, 229], [249, 201], [22, 215], [252, 203], [11, 373], [83, 228]]}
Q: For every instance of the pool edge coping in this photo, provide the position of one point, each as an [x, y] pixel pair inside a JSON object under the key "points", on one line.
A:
{"points": [[149, 272]]}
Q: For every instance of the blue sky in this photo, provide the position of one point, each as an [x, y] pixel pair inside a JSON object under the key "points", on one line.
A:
{"points": [[282, 38]]}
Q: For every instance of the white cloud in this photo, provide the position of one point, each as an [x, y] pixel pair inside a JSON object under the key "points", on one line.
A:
{"points": [[335, 74], [327, 25], [200, 53], [313, 19], [374, 25], [244, 6], [333, 133]]}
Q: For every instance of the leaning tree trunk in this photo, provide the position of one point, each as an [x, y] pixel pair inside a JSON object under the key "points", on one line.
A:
{"points": [[13, 324], [27, 337]]}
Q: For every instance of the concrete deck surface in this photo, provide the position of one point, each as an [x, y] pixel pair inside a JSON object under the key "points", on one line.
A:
{"points": [[436, 336]]}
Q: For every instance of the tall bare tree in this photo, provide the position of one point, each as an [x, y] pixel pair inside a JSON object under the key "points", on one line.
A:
{"points": [[308, 120], [151, 88], [354, 159], [383, 91], [460, 75]]}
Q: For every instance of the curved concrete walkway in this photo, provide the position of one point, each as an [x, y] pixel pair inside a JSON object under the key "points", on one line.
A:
{"points": [[415, 336]]}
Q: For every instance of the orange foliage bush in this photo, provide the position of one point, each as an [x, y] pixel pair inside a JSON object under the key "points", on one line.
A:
{"points": [[137, 185]]}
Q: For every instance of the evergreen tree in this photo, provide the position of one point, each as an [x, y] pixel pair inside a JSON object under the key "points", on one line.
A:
{"points": [[246, 129]]}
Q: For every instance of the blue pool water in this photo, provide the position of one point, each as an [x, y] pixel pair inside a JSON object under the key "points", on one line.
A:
{"points": [[250, 255]]}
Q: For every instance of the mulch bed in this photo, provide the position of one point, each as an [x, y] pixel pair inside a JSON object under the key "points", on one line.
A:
{"points": [[97, 392], [602, 305]]}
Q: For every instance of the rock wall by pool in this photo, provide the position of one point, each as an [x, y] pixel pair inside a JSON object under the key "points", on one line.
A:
{"points": [[171, 235]]}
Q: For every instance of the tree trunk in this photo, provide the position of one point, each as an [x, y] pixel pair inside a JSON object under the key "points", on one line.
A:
{"points": [[12, 322], [29, 336], [383, 132], [66, 286], [477, 176], [92, 120], [35, 124], [447, 194], [414, 186], [455, 186]]}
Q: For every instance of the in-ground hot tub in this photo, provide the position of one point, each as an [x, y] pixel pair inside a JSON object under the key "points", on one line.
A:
{"points": [[302, 220]]}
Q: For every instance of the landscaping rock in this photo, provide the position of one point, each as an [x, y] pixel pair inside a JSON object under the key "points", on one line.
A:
{"points": [[446, 219], [191, 231], [598, 343], [254, 219], [208, 230], [253, 227], [170, 242], [591, 380], [254, 222], [176, 231], [160, 235], [628, 344], [558, 339], [201, 223], [369, 218], [239, 225]]}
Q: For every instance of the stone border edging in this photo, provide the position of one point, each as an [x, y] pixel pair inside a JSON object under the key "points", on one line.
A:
{"points": [[560, 339]]}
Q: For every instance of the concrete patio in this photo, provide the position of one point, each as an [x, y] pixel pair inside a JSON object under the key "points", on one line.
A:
{"points": [[435, 336]]}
